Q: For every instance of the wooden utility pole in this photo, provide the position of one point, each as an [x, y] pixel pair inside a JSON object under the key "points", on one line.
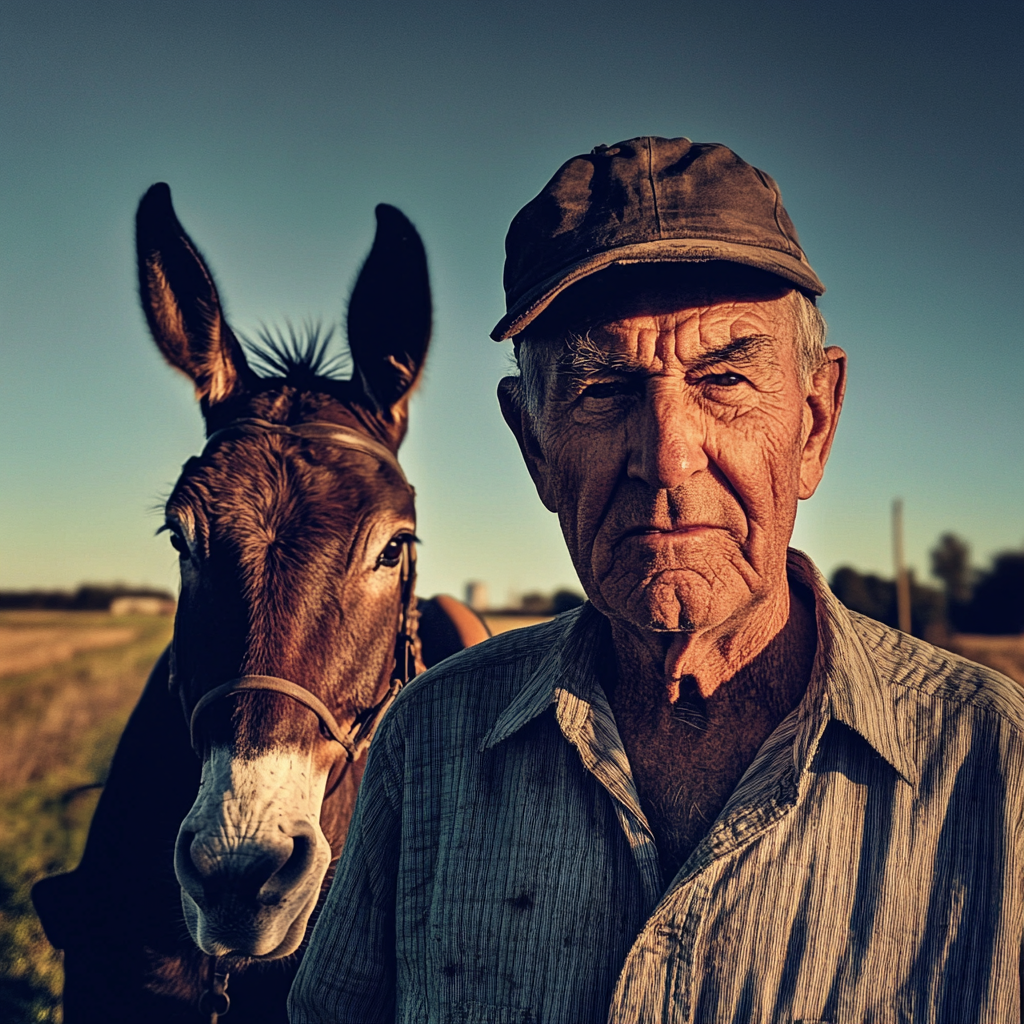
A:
{"points": [[902, 577]]}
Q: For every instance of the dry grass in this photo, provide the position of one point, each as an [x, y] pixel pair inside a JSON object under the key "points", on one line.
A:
{"points": [[59, 724], [24, 648]]}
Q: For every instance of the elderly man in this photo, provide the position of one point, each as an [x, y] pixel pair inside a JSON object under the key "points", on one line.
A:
{"points": [[713, 793]]}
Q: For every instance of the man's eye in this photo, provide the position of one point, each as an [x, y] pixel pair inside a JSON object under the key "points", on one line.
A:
{"points": [[606, 389], [723, 380]]}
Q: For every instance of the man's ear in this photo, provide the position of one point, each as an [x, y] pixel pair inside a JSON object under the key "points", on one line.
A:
{"points": [[389, 318], [521, 425], [181, 303], [821, 417]]}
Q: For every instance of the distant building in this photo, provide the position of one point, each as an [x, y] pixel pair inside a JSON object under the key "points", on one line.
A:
{"points": [[476, 596], [142, 606]]}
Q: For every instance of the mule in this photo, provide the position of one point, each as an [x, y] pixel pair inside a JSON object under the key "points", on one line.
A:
{"points": [[295, 530]]}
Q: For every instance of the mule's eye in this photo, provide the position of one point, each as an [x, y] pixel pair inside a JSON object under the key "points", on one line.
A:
{"points": [[392, 553], [179, 543]]}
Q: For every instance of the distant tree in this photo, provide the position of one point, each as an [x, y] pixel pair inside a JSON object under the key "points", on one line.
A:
{"points": [[951, 563], [565, 600], [866, 593], [88, 597], [997, 606], [989, 601], [875, 597]]}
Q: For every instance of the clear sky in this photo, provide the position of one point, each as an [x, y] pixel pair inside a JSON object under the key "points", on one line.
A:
{"points": [[894, 130]]}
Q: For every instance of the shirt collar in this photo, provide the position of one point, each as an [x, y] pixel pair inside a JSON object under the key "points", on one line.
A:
{"points": [[844, 683], [570, 665]]}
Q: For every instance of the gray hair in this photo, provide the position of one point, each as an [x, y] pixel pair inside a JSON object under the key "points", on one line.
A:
{"points": [[534, 354]]}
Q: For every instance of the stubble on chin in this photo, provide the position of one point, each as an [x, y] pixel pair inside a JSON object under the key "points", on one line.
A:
{"points": [[683, 598]]}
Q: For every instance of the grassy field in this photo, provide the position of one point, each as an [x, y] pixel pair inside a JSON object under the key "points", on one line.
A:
{"points": [[68, 681]]}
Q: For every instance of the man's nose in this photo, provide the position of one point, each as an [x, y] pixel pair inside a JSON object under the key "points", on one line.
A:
{"points": [[666, 441]]}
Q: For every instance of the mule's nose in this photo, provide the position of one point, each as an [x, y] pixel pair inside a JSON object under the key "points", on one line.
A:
{"points": [[258, 869]]}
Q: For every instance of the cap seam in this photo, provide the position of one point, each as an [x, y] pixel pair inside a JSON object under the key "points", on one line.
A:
{"points": [[629, 245], [654, 191]]}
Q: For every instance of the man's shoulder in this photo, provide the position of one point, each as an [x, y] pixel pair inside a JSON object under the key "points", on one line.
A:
{"points": [[487, 675], [934, 674]]}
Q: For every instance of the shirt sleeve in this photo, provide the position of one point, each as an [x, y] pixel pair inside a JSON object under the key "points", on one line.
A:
{"points": [[347, 975]]}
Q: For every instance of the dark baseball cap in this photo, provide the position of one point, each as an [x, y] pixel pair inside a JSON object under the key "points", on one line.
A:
{"points": [[646, 200]]}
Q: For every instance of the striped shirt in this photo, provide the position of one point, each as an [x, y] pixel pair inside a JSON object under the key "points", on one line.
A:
{"points": [[499, 868]]}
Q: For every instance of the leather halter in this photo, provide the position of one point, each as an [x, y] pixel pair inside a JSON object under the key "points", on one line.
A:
{"points": [[345, 437], [356, 739]]}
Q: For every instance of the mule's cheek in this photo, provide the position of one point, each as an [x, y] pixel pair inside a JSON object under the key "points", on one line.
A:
{"points": [[251, 856]]}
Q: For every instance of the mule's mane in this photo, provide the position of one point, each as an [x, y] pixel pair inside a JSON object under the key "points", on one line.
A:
{"points": [[300, 356]]}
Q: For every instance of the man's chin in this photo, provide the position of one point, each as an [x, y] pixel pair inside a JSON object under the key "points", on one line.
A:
{"points": [[670, 605]]}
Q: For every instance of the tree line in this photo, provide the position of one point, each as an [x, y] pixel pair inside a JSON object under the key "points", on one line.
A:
{"points": [[968, 599], [89, 597]]}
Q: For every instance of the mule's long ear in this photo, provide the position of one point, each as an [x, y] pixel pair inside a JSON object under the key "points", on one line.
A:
{"points": [[389, 316], [181, 304]]}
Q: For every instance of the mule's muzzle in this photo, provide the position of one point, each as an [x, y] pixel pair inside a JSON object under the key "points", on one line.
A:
{"points": [[247, 902], [251, 858], [263, 872]]}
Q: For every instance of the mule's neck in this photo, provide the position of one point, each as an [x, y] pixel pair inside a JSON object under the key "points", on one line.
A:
{"points": [[340, 802]]}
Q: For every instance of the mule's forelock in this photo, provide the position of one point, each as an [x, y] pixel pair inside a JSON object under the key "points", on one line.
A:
{"points": [[304, 357]]}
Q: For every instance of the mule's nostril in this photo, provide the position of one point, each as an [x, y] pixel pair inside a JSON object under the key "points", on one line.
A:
{"points": [[244, 875], [294, 869], [185, 867], [209, 872]]}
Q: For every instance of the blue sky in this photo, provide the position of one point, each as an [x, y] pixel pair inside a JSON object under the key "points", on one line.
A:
{"points": [[894, 130]]}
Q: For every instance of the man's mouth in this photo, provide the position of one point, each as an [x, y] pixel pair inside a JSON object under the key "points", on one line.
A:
{"points": [[656, 536], [683, 530]]}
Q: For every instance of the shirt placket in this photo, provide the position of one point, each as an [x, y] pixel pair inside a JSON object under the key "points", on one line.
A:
{"points": [[656, 981], [590, 726]]}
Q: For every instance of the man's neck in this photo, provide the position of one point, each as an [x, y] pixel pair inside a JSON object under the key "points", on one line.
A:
{"points": [[705, 658], [694, 711]]}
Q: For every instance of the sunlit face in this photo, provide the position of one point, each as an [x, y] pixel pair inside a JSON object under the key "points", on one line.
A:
{"points": [[674, 448]]}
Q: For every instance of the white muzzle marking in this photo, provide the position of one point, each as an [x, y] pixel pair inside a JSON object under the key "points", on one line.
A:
{"points": [[251, 855]]}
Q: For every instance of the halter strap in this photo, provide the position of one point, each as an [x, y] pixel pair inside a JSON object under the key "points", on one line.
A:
{"points": [[346, 437], [242, 684], [353, 742]]}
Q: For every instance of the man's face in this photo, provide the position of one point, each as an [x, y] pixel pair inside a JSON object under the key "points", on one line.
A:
{"points": [[674, 448]]}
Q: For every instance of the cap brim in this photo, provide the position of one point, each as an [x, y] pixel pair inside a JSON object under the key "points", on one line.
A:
{"points": [[671, 250]]}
